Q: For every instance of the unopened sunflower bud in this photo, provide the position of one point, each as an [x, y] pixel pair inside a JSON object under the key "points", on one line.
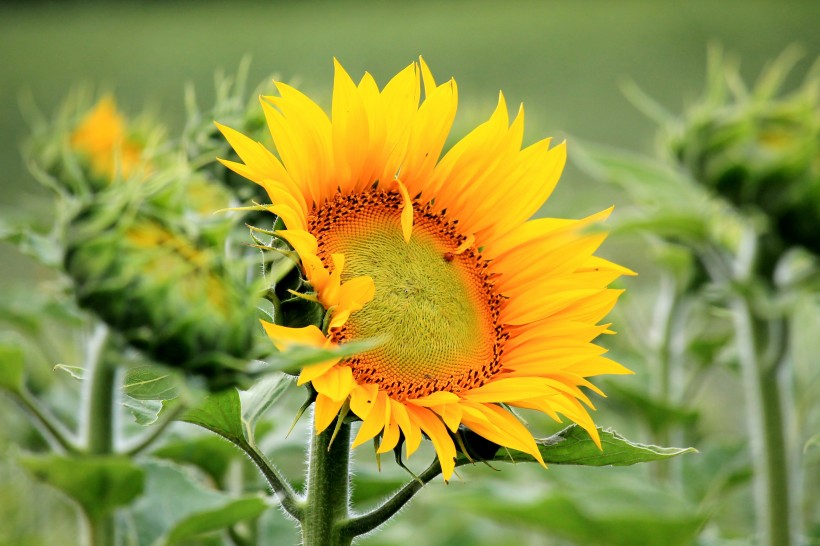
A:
{"points": [[86, 149], [757, 149], [166, 292], [101, 139]]}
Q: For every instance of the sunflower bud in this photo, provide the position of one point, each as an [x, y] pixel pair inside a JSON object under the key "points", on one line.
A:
{"points": [[86, 149], [758, 149], [164, 284]]}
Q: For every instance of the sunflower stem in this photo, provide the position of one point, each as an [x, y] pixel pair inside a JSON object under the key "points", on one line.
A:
{"points": [[328, 489], [767, 435], [766, 430], [98, 422], [365, 523], [52, 429]]}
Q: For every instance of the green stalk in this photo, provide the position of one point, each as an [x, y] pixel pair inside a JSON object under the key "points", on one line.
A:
{"points": [[53, 430], [766, 429], [666, 309], [328, 489], [99, 422], [760, 355]]}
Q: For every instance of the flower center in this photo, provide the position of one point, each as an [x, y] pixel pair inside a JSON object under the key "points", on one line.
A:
{"points": [[437, 308]]}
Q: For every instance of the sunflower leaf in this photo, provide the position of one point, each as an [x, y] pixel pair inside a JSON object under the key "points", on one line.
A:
{"points": [[573, 446], [98, 484], [221, 413]]}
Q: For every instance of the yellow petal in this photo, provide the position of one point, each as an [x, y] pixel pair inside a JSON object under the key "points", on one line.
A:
{"points": [[336, 383], [284, 337], [435, 399], [325, 410], [362, 398], [375, 421], [406, 213], [437, 432], [313, 371], [412, 433], [353, 295], [390, 438]]}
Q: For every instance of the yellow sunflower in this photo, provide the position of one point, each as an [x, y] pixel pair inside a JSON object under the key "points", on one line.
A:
{"points": [[480, 309]]}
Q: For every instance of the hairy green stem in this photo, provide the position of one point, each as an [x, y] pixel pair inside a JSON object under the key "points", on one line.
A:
{"points": [[281, 487], [365, 523], [328, 489]]}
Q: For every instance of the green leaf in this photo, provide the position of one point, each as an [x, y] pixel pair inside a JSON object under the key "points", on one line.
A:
{"points": [[150, 382], [221, 413], [261, 396], [573, 446], [146, 412], [99, 484], [611, 510], [646, 180], [177, 506], [210, 453], [12, 365], [219, 518], [76, 372]]}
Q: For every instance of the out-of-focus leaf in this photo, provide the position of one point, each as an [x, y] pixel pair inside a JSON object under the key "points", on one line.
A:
{"points": [[666, 223], [210, 453], [646, 180], [297, 357], [98, 484], [574, 446], [76, 372], [658, 413], [674, 206], [146, 412], [261, 396], [176, 506], [149, 382], [221, 413], [12, 365], [45, 249], [219, 518], [611, 512]]}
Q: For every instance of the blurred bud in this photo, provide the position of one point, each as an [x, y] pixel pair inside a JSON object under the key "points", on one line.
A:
{"points": [[236, 107], [102, 141], [163, 282], [85, 149], [758, 148]]}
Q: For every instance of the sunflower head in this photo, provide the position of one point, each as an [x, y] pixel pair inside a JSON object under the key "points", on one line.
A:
{"points": [[480, 309]]}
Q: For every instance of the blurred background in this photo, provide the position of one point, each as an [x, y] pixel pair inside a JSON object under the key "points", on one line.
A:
{"points": [[568, 63]]}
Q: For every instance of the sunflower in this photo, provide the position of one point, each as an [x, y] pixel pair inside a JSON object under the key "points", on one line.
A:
{"points": [[480, 310]]}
